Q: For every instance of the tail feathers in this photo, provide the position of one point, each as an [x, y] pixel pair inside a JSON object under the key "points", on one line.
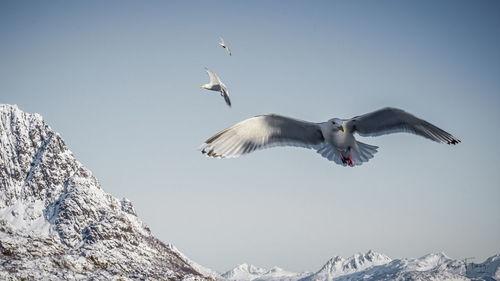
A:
{"points": [[362, 153], [330, 153]]}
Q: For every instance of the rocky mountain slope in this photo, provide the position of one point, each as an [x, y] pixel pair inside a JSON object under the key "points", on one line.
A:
{"points": [[56, 222]]}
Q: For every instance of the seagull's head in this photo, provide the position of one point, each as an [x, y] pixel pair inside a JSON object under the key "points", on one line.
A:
{"points": [[337, 124]]}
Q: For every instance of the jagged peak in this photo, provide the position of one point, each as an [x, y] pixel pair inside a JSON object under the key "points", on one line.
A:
{"points": [[14, 109], [369, 256], [338, 266], [4, 107]]}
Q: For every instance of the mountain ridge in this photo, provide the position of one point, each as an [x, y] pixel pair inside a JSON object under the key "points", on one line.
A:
{"points": [[374, 266]]}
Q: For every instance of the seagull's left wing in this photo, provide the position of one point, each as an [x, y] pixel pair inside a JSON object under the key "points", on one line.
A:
{"points": [[393, 120], [261, 132]]}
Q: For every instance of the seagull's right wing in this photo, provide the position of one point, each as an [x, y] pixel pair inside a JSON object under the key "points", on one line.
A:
{"points": [[213, 78], [222, 43], [228, 50], [261, 132]]}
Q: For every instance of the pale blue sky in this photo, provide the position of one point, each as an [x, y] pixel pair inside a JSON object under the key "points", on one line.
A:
{"points": [[119, 80]]}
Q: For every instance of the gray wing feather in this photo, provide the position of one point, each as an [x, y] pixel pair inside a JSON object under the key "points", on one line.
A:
{"points": [[225, 94], [393, 120], [260, 132]]}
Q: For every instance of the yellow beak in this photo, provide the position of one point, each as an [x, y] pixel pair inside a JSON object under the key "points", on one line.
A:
{"points": [[342, 128], [201, 87]]}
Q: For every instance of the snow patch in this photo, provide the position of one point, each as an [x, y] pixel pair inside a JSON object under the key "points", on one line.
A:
{"points": [[27, 217]]}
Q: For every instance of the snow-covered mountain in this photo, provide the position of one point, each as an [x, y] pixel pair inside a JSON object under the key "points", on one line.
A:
{"points": [[244, 272], [338, 266], [248, 272], [56, 223], [378, 267], [374, 266], [488, 270]]}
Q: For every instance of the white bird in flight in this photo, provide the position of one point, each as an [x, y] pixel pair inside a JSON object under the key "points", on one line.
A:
{"points": [[216, 85], [223, 44], [333, 139]]}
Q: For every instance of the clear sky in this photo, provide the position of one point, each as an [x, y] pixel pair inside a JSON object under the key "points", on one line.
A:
{"points": [[119, 80]]}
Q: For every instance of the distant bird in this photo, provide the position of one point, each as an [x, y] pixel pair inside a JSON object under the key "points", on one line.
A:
{"points": [[216, 85], [223, 44], [333, 139]]}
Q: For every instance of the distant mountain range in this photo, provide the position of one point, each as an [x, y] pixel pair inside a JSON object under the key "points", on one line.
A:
{"points": [[56, 223], [377, 267]]}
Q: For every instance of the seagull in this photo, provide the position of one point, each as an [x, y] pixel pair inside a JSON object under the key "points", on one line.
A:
{"points": [[223, 44], [216, 85], [333, 139]]}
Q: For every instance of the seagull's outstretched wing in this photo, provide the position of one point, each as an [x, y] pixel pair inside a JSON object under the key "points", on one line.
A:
{"points": [[393, 120], [213, 78], [261, 132], [228, 50], [225, 94]]}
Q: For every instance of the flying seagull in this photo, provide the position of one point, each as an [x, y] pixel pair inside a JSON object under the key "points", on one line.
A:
{"points": [[216, 85], [333, 139], [223, 44]]}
